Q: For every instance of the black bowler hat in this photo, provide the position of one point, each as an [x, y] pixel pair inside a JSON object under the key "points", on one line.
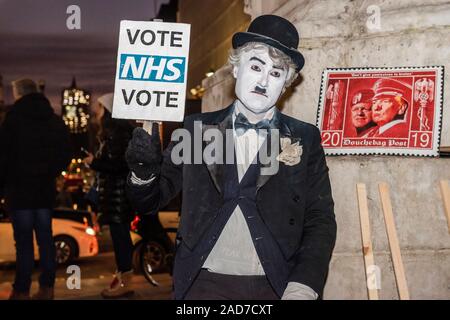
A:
{"points": [[274, 31]]}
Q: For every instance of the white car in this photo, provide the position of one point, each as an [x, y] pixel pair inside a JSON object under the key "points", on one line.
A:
{"points": [[73, 239]]}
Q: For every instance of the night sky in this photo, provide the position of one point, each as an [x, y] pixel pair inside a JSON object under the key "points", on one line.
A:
{"points": [[35, 42]]}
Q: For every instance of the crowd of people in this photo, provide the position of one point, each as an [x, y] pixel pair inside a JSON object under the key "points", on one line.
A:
{"points": [[35, 146]]}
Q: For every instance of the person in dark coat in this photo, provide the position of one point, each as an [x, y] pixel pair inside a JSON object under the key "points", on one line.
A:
{"points": [[114, 207], [248, 229], [34, 144]]}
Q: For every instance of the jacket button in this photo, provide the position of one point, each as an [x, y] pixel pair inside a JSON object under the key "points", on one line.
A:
{"points": [[291, 221], [296, 198]]}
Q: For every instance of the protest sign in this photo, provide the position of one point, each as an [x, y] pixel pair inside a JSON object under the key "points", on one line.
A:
{"points": [[151, 73]]}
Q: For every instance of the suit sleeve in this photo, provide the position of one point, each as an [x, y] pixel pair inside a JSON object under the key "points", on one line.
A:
{"points": [[149, 198], [319, 233]]}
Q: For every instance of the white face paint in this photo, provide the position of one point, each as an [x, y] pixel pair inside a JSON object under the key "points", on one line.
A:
{"points": [[259, 81]]}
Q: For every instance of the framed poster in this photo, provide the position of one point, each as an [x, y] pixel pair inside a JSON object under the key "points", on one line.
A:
{"points": [[388, 111]]}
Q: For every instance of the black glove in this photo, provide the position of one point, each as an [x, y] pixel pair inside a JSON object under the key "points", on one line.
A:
{"points": [[143, 154]]}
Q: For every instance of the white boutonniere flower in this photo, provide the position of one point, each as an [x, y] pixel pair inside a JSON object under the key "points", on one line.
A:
{"points": [[290, 152]]}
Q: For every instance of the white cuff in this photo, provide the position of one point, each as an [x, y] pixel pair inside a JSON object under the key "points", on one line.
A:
{"points": [[135, 180], [298, 291]]}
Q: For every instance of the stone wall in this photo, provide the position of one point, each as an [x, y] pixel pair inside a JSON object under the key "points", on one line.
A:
{"points": [[212, 25], [334, 33]]}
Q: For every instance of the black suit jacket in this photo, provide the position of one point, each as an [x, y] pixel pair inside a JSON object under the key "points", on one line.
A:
{"points": [[296, 203]]}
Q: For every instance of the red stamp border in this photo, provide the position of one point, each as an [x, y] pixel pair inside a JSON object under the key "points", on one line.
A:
{"points": [[417, 142]]}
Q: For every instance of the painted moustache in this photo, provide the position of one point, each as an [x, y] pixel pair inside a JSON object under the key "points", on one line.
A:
{"points": [[260, 91]]}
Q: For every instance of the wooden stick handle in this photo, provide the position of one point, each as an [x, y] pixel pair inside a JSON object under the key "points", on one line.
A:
{"points": [[393, 242], [445, 191], [372, 279], [148, 126]]}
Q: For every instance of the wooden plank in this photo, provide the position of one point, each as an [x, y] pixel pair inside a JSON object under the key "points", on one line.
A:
{"points": [[372, 290], [445, 191], [393, 242], [148, 126]]}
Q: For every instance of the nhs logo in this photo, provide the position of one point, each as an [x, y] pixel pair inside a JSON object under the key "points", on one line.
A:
{"points": [[152, 68]]}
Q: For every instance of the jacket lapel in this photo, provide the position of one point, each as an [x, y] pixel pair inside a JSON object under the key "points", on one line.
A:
{"points": [[284, 132], [222, 122]]}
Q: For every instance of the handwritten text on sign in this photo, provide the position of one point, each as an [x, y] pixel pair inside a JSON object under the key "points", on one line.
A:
{"points": [[151, 71]]}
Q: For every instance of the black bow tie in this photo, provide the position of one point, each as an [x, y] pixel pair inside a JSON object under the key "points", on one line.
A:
{"points": [[241, 124]]}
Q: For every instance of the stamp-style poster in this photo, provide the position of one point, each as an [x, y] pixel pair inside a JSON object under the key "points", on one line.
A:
{"points": [[391, 111]]}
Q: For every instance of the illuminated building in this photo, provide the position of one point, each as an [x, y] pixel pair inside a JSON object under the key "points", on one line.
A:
{"points": [[75, 113], [75, 108]]}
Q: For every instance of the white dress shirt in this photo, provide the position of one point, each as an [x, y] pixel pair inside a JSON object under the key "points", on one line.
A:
{"points": [[234, 252]]}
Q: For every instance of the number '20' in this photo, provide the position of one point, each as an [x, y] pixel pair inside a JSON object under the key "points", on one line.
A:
{"points": [[331, 139]]}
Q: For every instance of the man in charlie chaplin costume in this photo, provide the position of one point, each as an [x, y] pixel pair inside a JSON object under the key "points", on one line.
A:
{"points": [[246, 234]]}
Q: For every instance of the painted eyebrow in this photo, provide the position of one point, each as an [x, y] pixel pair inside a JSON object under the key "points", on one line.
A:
{"points": [[255, 58]]}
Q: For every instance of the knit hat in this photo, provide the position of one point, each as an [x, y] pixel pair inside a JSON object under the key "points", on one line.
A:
{"points": [[107, 101]]}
